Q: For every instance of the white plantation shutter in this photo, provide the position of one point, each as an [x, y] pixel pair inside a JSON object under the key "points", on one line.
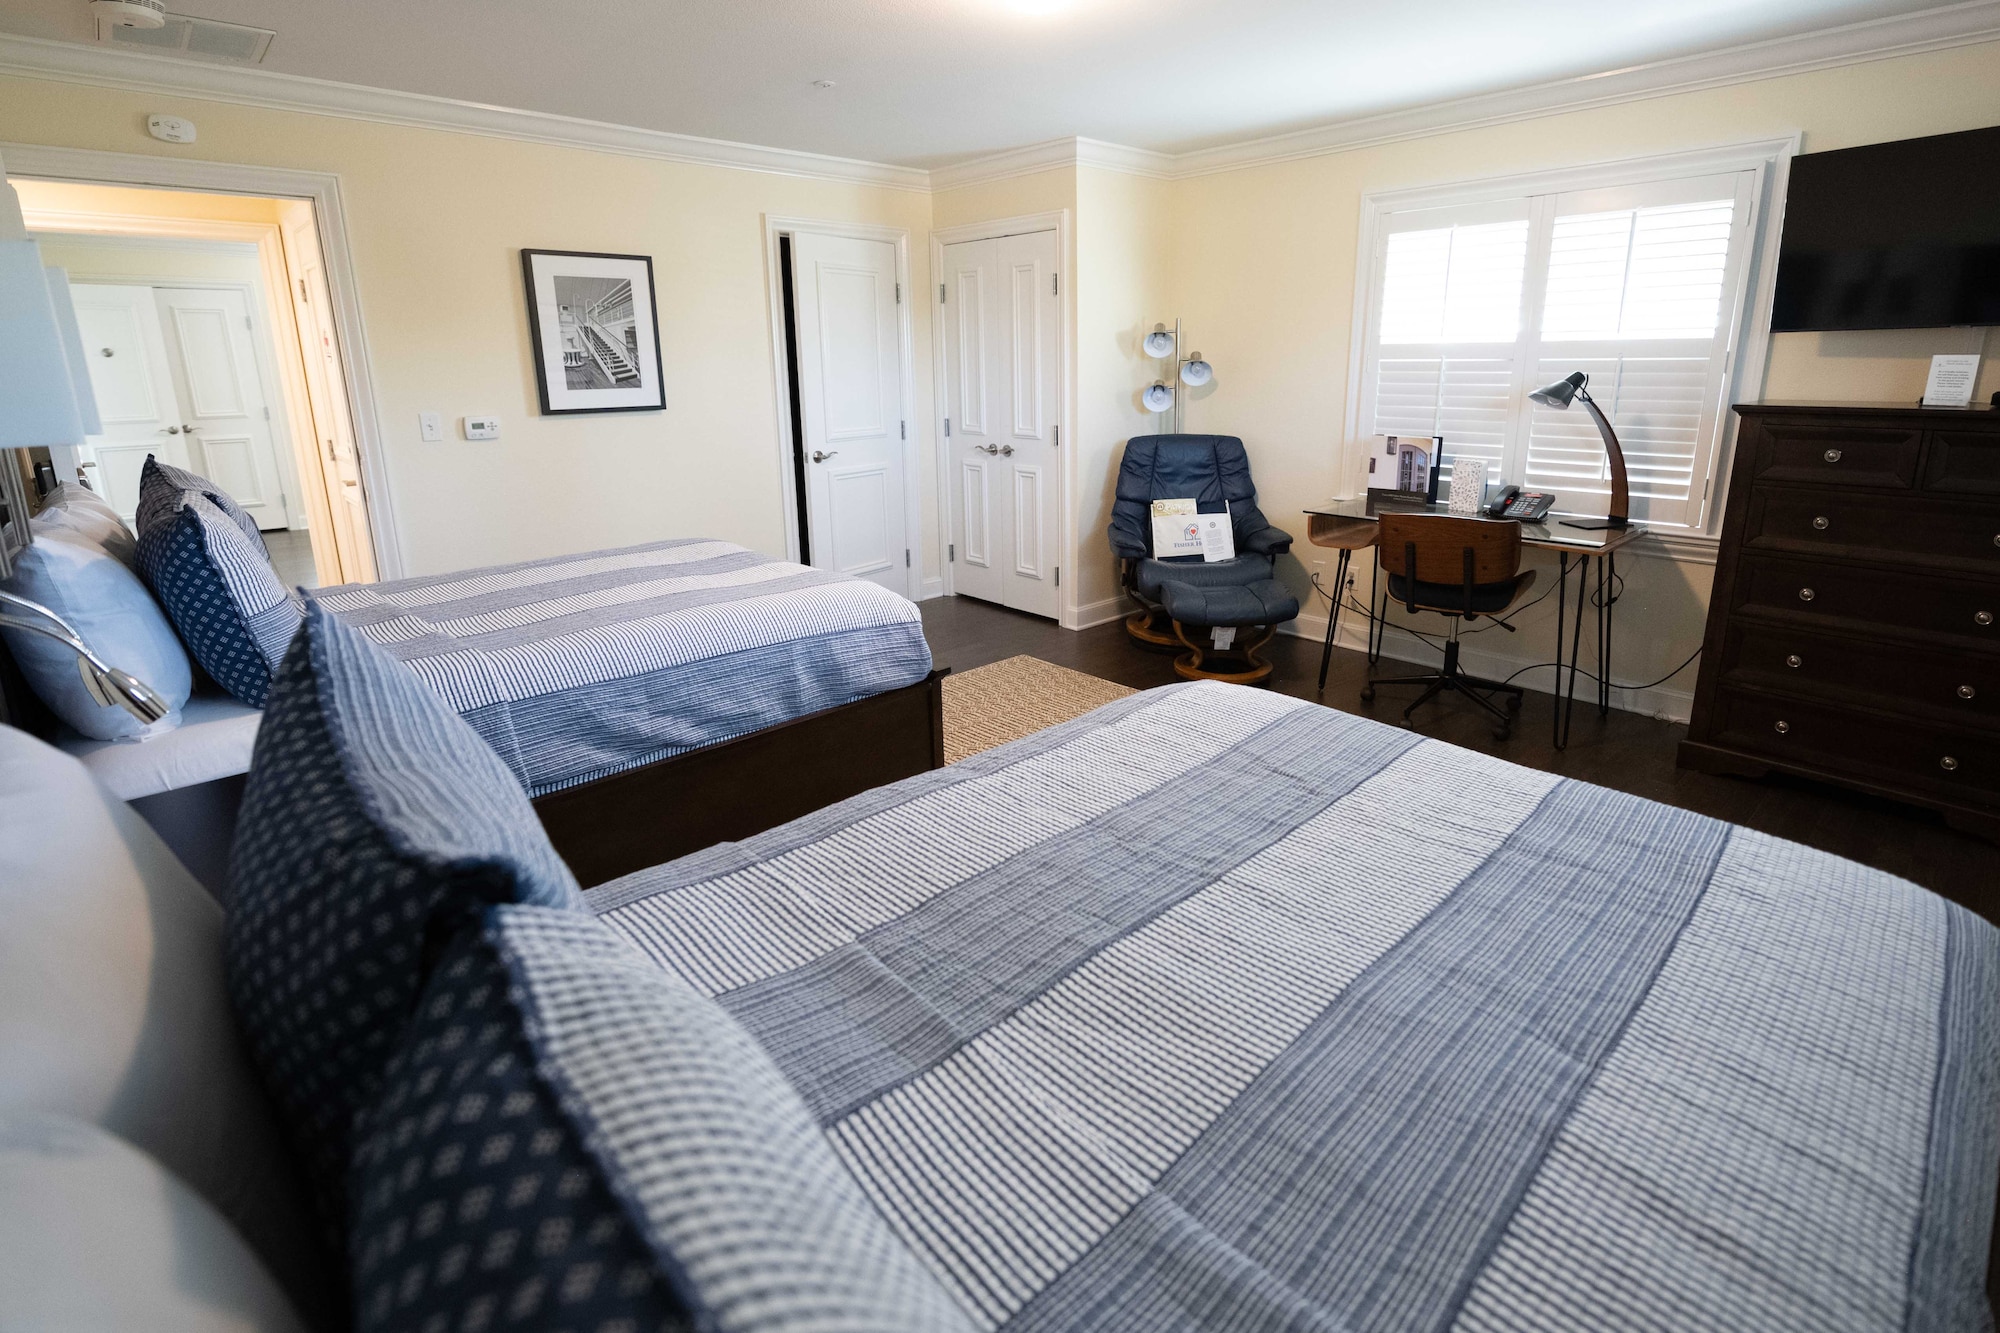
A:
{"points": [[1637, 286], [1450, 328]]}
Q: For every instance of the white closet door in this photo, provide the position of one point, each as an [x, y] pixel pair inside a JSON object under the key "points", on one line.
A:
{"points": [[975, 359], [851, 395], [136, 397], [1029, 454], [1001, 320], [227, 417]]}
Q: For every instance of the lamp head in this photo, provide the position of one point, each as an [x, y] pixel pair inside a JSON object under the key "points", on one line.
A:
{"points": [[1562, 393], [111, 685]]}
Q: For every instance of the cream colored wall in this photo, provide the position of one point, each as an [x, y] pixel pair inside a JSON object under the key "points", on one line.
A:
{"points": [[1266, 267], [1124, 241], [94, 259], [436, 225]]}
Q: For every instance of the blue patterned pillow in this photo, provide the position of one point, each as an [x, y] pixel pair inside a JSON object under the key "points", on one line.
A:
{"points": [[571, 1138], [162, 484], [374, 817], [221, 593]]}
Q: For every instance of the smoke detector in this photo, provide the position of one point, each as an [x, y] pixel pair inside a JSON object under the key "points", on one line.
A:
{"points": [[130, 13]]}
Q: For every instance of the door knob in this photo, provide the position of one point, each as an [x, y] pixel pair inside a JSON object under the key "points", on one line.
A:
{"points": [[989, 448], [189, 429], [172, 430], [819, 457], [1007, 449]]}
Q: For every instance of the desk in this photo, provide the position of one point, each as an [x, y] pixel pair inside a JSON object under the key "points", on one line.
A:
{"points": [[1349, 525]]}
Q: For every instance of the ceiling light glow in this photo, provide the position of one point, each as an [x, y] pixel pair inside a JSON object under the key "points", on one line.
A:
{"points": [[1036, 9]]}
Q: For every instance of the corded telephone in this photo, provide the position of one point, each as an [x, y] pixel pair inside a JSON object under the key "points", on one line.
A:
{"points": [[1523, 506]]}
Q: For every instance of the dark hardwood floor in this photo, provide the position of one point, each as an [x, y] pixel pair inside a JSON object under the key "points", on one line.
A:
{"points": [[1624, 750]]}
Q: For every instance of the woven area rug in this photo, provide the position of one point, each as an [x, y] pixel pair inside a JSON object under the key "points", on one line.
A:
{"points": [[991, 705]]}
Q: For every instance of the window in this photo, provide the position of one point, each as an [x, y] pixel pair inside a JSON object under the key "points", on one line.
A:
{"points": [[1640, 286]]}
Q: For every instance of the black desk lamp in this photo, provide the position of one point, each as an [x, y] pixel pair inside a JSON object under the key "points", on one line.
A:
{"points": [[1559, 395]]}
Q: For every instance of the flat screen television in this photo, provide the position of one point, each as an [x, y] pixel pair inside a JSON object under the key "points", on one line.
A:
{"points": [[1901, 235]]}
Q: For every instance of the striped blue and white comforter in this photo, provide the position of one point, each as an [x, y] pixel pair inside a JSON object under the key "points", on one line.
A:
{"points": [[1214, 1009], [579, 666]]}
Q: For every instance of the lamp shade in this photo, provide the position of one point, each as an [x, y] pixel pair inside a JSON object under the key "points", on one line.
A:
{"points": [[1159, 343], [37, 400], [1562, 393], [1157, 398], [1197, 372], [72, 345]]}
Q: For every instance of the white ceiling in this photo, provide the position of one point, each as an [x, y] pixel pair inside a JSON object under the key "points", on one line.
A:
{"points": [[926, 82]]}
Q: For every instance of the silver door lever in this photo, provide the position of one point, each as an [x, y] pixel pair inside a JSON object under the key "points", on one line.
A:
{"points": [[819, 457], [989, 448]]}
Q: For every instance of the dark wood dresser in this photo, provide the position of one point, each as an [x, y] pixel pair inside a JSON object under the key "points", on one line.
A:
{"points": [[1854, 629]]}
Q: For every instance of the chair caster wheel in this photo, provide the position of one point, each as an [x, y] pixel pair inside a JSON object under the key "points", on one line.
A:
{"points": [[1503, 733], [1368, 694], [1513, 703]]}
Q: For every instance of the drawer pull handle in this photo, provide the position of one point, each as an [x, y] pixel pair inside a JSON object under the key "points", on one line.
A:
{"points": [[1966, 691], [1782, 728], [1948, 764], [1794, 661], [1996, 539], [1820, 523], [1833, 455], [1982, 617], [1806, 595]]}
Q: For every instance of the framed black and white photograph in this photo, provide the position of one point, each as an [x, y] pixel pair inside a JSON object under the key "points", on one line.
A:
{"points": [[596, 331]]}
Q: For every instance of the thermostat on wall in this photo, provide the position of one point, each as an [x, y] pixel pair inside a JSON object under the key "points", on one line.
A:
{"points": [[482, 428], [170, 129]]}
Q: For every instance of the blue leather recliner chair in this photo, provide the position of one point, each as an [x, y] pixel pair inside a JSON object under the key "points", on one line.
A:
{"points": [[1183, 599]]}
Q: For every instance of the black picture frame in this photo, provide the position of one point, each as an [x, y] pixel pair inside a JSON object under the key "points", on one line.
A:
{"points": [[559, 397]]}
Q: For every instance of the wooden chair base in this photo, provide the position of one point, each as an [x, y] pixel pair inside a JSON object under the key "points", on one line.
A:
{"points": [[1237, 664], [1151, 627]]}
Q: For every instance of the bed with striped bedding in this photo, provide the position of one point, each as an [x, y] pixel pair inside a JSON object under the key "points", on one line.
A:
{"points": [[1215, 1009], [580, 666]]}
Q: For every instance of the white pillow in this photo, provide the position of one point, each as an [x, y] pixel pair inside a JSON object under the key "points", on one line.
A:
{"points": [[94, 1234]]}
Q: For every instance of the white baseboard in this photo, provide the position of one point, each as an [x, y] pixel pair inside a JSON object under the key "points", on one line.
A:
{"points": [[1098, 613], [930, 588], [1661, 701]]}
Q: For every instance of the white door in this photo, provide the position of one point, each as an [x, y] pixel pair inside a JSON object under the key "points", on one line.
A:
{"points": [[1001, 313], [227, 416], [135, 391], [851, 402], [349, 546]]}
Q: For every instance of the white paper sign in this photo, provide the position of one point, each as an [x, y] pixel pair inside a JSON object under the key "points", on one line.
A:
{"points": [[1950, 384], [1218, 537], [1175, 529]]}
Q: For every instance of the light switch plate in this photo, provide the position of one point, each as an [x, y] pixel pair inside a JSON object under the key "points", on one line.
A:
{"points": [[431, 426], [482, 428]]}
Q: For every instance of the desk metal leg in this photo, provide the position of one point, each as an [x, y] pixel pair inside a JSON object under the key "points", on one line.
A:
{"points": [[1565, 696], [1603, 643], [1333, 616], [1610, 602], [1378, 616]]}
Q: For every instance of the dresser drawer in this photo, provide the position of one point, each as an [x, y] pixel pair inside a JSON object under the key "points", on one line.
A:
{"points": [[1838, 455], [1963, 464], [1962, 607], [1947, 685], [1819, 519], [1944, 761]]}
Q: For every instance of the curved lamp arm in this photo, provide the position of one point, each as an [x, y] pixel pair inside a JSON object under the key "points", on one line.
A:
{"points": [[107, 684], [1620, 512]]}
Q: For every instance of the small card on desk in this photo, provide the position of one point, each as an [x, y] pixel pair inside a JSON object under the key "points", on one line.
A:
{"points": [[1950, 384]]}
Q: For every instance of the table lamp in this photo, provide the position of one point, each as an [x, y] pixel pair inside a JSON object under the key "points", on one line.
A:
{"points": [[1559, 396], [108, 685]]}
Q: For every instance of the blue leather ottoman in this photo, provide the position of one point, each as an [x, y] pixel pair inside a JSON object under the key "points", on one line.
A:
{"points": [[1197, 611]]}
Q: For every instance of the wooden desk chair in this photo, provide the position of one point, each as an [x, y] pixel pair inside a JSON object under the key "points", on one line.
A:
{"points": [[1460, 568]]}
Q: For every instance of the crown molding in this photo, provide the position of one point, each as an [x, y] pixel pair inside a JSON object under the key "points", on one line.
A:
{"points": [[1964, 24], [100, 67]]}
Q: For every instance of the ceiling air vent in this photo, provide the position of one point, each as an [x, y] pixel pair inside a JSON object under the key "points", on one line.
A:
{"points": [[204, 39]]}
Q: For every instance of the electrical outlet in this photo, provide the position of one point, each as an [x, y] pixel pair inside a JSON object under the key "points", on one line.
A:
{"points": [[482, 428], [430, 426]]}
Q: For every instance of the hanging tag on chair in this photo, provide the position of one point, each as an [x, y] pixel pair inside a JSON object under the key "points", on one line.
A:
{"points": [[1218, 537], [1222, 636]]}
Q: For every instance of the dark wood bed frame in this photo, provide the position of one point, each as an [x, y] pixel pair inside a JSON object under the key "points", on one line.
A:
{"points": [[726, 792]]}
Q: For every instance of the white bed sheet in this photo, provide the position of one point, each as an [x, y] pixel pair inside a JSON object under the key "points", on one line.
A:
{"points": [[214, 740]]}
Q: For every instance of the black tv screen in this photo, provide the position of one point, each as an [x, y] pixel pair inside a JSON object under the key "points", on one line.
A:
{"points": [[1901, 235]]}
